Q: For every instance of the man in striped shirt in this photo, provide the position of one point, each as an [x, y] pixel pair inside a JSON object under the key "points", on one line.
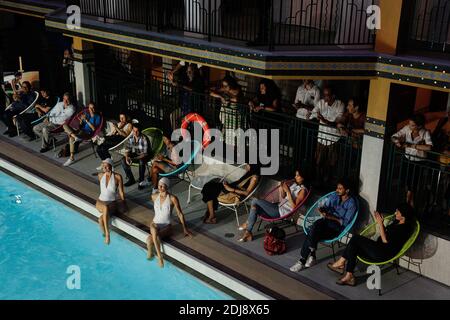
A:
{"points": [[137, 150]]}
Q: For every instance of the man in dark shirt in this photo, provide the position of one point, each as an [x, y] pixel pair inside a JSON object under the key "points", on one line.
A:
{"points": [[25, 99], [43, 105]]}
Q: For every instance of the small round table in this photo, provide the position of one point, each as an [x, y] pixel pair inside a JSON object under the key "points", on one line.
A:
{"points": [[199, 182]]}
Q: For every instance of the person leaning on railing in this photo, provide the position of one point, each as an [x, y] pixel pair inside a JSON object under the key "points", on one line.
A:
{"points": [[308, 95], [416, 141], [267, 98], [328, 111]]}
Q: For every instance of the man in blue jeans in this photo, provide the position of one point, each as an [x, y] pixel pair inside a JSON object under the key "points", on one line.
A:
{"points": [[337, 212]]}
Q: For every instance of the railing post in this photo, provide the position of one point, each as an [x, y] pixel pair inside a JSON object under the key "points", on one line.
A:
{"points": [[209, 20], [271, 26], [147, 15], [104, 11]]}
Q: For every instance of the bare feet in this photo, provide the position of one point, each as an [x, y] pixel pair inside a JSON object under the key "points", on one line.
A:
{"points": [[107, 239], [210, 221], [150, 254], [161, 262]]}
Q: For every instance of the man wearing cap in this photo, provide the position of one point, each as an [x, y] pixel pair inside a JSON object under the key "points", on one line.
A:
{"points": [[161, 227], [111, 184]]}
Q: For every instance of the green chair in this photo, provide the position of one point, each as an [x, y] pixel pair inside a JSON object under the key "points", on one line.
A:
{"points": [[155, 137], [371, 230]]}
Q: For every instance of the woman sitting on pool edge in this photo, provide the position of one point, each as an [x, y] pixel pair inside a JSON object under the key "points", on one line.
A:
{"points": [[111, 183], [161, 227], [290, 198], [392, 239], [215, 191]]}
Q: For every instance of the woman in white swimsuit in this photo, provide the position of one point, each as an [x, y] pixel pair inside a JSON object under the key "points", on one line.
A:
{"points": [[108, 202], [161, 227]]}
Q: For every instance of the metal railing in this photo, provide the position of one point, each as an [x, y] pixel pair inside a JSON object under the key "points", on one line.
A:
{"points": [[428, 178], [158, 103], [429, 24], [263, 22]]}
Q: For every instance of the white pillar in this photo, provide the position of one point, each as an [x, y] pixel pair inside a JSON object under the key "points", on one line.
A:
{"points": [[83, 56]]}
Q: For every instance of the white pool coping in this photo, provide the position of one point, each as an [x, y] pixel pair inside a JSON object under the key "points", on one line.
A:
{"points": [[192, 262]]}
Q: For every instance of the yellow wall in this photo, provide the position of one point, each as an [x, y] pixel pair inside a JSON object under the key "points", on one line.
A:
{"points": [[387, 36], [377, 106]]}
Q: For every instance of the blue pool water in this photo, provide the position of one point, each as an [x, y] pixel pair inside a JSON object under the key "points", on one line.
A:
{"points": [[40, 238]]}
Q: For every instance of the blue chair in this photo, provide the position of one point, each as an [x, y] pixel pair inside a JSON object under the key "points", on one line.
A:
{"points": [[313, 215], [181, 170]]}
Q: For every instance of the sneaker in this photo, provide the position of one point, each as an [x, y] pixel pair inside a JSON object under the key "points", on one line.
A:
{"points": [[297, 267], [310, 261], [68, 162], [142, 185]]}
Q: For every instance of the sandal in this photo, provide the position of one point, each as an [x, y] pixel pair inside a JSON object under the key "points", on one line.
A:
{"points": [[351, 282], [246, 237], [339, 270]]}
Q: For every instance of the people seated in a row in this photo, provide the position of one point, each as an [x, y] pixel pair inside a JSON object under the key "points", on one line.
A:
{"points": [[21, 101], [57, 116], [217, 191], [290, 197]]}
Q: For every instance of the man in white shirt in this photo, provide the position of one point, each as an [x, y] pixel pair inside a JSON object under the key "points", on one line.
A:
{"points": [[328, 111], [416, 140], [56, 117], [308, 95]]}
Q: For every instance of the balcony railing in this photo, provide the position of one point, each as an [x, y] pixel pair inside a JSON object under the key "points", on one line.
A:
{"points": [[429, 24], [259, 22], [157, 103]]}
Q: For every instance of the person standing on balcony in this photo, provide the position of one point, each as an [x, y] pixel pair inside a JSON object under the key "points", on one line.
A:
{"points": [[191, 89], [416, 141], [308, 95], [328, 111], [68, 71], [267, 98], [230, 95]]}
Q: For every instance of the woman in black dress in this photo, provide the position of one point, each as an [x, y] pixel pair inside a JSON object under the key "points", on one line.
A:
{"points": [[392, 239], [216, 190]]}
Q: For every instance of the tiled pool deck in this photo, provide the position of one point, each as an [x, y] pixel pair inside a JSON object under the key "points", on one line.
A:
{"points": [[217, 244]]}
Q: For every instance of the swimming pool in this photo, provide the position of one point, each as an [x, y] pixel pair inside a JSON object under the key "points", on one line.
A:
{"points": [[44, 243]]}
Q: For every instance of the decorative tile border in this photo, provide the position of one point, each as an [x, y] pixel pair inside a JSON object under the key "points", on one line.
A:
{"points": [[375, 128]]}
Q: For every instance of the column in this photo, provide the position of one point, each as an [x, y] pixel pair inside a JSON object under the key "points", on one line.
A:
{"points": [[373, 143], [387, 36], [83, 55]]}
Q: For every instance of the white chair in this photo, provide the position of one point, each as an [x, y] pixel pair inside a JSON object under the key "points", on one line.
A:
{"points": [[27, 110], [119, 148], [235, 206]]}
